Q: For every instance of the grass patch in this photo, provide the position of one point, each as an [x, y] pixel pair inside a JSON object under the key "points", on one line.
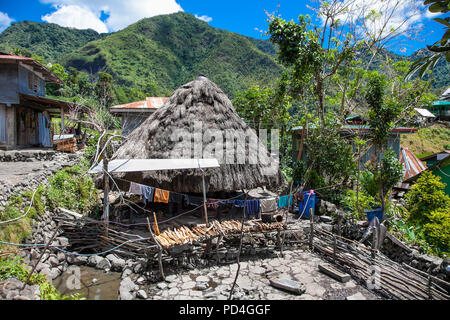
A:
{"points": [[427, 141]]}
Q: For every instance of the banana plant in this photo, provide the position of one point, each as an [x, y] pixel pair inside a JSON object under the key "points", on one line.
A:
{"points": [[439, 50]]}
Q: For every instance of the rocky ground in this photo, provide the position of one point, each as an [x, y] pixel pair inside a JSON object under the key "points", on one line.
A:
{"points": [[214, 283], [12, 289], [190, 281]]}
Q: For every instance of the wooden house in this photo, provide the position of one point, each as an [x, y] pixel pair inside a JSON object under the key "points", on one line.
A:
{"points": [[350, 131], [135, 113], [25, 112]]}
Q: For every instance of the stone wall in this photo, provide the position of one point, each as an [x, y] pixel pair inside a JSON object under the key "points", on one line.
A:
{"points": [[36, 178], [28, 155]]}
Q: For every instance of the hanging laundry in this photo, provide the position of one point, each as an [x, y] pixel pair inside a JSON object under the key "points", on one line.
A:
{"points": [[147, 193], [177, 198], [239, 203], [252, 207], [226, 204], [135, 188], [212, 203], [285, 201], [161, 196], [268, 205], [194, 201]]}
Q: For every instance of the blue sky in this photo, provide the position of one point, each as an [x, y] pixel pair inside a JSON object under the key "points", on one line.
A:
{"points": [[240, 16]]}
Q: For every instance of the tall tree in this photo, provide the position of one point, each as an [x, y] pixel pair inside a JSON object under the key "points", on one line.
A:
{"points": [[348, 37], [383, 113]]}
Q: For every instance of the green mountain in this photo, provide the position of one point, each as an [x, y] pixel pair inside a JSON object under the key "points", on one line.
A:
{"points": [[156, 55], [47, 40], [440, 75], [167, 51]]}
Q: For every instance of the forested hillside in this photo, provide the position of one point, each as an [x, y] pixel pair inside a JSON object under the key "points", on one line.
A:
{"points": [[156, 55], [161, 53], [47, 40]]}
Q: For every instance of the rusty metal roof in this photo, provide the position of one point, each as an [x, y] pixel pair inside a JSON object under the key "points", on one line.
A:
{"points": [[148, 105], [37, 67], [413, 166]]}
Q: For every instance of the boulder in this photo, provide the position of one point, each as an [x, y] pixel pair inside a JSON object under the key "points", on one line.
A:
{"points": [[117, 263], [126, 273], [326, 219], [356, 296], [53, 261], [141, 294], [127, 289], [103, 264], [94, 261]]}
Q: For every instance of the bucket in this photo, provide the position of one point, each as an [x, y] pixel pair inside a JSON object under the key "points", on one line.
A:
{"points": [[308, 203]]}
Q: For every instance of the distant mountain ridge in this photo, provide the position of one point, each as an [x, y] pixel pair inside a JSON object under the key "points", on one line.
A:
{"points": [[170, 50], [158, 54], [47, 40]]}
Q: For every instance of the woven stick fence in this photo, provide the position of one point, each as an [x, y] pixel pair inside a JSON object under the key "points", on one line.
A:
{"points": [[382, 275]]}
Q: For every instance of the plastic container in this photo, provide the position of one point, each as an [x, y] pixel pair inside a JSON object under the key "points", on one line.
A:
{"points": [[375, 212], [309, 202]]}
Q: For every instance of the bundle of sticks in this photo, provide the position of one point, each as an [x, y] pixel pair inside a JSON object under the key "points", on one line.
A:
{"points": [[184, 235], [66, 145]]}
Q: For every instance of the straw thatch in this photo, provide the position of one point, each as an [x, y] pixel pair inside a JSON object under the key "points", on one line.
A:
{"points": [[159, 137]]}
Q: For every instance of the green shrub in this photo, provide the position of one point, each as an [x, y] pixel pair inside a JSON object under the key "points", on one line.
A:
{"points": [[356, 206], [429, 208], [426, 196], [369, 183], [72, 190], [437, 231]]}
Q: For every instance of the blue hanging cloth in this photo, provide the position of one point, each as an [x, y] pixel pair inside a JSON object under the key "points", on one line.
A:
{"points": [[285, 201]]}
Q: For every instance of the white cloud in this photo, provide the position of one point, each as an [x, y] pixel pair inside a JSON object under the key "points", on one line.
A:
{"points": [[120, 13], [204, 18], [76, 17], [5, 21], [389, 16]]}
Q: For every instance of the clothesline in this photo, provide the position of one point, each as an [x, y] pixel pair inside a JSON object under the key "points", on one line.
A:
{"points": [[217, 200], [253, 206]]}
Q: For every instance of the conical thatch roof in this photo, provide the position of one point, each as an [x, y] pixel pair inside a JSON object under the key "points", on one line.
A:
{"points": [[196, 111]]}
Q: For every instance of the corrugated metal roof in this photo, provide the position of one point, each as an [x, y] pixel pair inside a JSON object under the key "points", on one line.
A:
{"points": [[365, 128], [413, 166], [48, 75], [151, 103], [446, 95], [441, 103]]}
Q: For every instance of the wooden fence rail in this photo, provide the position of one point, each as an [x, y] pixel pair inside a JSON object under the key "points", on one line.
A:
{"points": [[379, 273]]}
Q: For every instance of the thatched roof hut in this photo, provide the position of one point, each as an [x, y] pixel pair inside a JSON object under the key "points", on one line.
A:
{"points": [[199, 121]]}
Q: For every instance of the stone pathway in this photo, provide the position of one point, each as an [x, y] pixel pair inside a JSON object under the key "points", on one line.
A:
{"points": [[215, 283]]}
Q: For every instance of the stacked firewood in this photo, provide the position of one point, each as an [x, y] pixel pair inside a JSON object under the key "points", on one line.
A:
{"points": [[66, 145], [184, 235]]}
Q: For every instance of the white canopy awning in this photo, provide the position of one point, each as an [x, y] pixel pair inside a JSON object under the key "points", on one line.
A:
{"points": [[425, 113], [139, 165]]}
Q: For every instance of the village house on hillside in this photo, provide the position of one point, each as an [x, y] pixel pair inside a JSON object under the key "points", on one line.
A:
{"points": [[25, 112], [355, 126], [441, 107], [135, 113]]}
